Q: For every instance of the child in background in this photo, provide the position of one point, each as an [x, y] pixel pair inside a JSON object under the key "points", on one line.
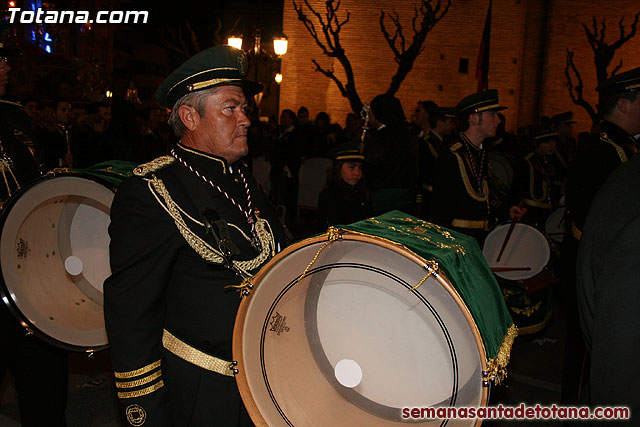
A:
{"points": [[345, 199]]}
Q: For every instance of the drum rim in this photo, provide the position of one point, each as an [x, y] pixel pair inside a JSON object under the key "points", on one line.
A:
{"points": [[237, 350], [5, 294]]}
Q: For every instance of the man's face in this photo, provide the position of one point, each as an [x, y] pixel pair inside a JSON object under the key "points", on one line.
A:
{"points": [[487, 122], [31, 109], [420, 116], [548, 147], [634, 115], [447, 125], [4, 75], [285, 120], [63, 111], [222, 131]]}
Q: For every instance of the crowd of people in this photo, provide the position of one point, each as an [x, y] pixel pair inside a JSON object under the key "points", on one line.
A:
{"points": [[197, 220]]}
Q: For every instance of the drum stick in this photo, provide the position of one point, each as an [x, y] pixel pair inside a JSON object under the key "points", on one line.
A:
{"points": [[508, 236], [499, 269]]}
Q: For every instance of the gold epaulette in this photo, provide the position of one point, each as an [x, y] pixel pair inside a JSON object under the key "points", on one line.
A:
{"points": [[529, 156], [456, 146], [153, 166]]}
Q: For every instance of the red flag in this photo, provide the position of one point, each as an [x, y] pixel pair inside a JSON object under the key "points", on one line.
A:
{"points": [[482, 67]]}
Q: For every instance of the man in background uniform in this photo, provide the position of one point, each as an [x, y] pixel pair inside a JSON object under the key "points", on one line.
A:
{"points": [[430, 146], [596, 158], [461, 187], [187, 232], [567, 145]]}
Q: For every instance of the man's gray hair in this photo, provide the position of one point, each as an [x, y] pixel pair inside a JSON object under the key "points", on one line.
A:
{"points": [[197, 100]]}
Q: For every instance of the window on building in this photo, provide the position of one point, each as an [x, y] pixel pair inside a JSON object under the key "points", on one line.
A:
{"points": [[463, 67]]}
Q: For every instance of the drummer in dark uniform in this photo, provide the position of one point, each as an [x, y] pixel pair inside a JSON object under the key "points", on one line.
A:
{"points": [[38, 368], [566, 144], [430, 146], [187, 232], [461, 190], [596, 158], [538, 182]]}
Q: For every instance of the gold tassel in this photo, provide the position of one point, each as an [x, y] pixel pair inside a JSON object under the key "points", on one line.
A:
{"points": [[498, 365]]}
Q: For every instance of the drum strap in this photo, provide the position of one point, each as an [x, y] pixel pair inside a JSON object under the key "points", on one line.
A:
{"points": [[195, 356]]}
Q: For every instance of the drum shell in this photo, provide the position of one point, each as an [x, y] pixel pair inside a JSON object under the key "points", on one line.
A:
{"points": [[37, 226], [238, 346]]}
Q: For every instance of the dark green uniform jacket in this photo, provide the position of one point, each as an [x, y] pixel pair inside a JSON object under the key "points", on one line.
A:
{"points": [[159, 283], [595, 160], [609, 290], [458, 202]]}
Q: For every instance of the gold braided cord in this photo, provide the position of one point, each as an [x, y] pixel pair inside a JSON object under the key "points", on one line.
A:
{"points": [[545, 184], [432, 267], [333, 234], [4, 168], [202, 248], [141, 381], [136, 372], [498, 365], [604, 137], [467, 184], [138, 393], [154, 165]]}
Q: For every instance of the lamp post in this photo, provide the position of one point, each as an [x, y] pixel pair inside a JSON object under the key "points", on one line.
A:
{"points": [[256, 55]]}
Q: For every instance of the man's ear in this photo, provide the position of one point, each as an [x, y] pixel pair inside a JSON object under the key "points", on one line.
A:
{"points": [[189, 117], [623, 105]]}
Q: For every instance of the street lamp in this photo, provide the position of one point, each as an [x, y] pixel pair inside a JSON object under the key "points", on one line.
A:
{"points": [[280, 43]]}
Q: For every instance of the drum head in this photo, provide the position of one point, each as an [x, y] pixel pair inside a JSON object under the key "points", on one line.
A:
{"points": [[527, 247], [54, 259], [350, 343], [555, 224]]}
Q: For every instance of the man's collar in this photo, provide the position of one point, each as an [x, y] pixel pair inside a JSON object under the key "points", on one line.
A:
{"points": [[466, 139], [210, 160]]}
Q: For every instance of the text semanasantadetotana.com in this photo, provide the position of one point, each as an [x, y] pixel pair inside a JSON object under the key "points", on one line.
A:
{"points": [[521, 412]]}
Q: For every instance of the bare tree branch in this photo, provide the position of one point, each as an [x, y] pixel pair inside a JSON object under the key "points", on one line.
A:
{"points": [[329, 42], [576, 91], [424, 19], [616, 69], [603, 54], [332, 76]]}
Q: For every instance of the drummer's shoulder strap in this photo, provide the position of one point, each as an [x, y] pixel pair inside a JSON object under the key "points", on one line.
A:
{"points": [[153, 166]]}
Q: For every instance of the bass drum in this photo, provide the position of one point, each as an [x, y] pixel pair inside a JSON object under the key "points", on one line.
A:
{"points": [[350, 342], [54, 256]]}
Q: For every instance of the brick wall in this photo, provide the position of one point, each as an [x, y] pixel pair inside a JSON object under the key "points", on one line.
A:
{"points": [[529, 38]]}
